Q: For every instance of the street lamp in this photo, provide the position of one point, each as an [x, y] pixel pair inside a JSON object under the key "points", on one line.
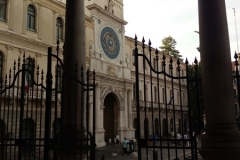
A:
{"points": [[198, 48]]}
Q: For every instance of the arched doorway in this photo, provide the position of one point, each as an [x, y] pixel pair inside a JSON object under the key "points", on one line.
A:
{"points": [[110, 117], [135, 127], [28, 136], [165, 127]]}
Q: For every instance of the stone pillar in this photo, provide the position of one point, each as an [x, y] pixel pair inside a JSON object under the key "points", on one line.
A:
{"points": [[98, 104], [72, 100], [222, 138], [129, 103], [125, 109]]}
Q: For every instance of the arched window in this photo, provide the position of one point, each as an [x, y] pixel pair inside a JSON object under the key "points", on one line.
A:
{"points": [[145, 92], [56, 126], [140, 95], [30, 73], [171, 125], [155, 63], [146, 128], [163, 95], [134, 91], [155, 94], [135, 126], [58, 78], [28, 128], [133, 57], [156, 126], [31, 18], [180, 126], [1, 67], [3, 7], [178, 98], [59, 29]]}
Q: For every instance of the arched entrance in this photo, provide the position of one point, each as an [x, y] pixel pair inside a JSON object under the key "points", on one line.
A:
{"points": [[165, 127], [110, 115]]}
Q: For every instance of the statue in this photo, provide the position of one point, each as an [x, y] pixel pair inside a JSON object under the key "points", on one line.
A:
{"points": [[110, 5], [91, 50]]}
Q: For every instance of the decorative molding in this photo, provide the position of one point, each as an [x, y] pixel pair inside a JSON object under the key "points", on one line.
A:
{"points": [[22, 51], [38, 55], [24, 41], [106, 13], [9, 47]]}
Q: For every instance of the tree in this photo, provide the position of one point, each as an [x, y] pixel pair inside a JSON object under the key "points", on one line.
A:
{"points": [[169, 47], [195, 96]]}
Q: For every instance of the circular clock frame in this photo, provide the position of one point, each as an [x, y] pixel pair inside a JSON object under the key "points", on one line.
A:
{"points": [[110, 43]]}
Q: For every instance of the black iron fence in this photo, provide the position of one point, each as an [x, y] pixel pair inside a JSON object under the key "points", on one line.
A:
{"points": [[31, 112], [169, 112]]}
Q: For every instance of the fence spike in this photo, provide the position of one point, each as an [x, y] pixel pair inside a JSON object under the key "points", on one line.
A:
{"points": [[149, 43], [235, 55], [14, 65], [186, 61], [24, 58], [135, 40], [196, 61]]}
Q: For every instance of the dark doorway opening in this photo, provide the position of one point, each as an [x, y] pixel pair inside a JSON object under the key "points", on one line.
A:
{"points": [[110, 117]]}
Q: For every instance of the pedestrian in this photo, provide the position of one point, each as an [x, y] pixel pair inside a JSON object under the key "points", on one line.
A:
{"points": [[124, 146], [185, 139], [178, 138], [117, 139]]}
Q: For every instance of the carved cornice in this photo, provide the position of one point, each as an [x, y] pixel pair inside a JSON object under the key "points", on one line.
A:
{"points": [[56, 2], [24, 41]]}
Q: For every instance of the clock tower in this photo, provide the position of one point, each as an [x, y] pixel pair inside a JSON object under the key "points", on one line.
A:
{"points": [[113, 74]]}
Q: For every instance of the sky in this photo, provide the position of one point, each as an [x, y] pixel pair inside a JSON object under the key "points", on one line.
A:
{"points": [[157, 19]]}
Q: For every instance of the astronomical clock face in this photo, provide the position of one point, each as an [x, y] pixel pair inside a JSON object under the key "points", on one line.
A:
{"points": [[109, 43]]}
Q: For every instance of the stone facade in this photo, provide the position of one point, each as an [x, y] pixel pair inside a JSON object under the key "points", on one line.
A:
{"points": [[114, 76]]}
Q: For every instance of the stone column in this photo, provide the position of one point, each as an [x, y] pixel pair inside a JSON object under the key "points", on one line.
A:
{"points": [[98, 104], [125, 109], [72, 100], [129, 103], [222, 138]]}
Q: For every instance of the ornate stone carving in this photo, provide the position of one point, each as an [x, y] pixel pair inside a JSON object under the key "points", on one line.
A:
{"points": [[38, 55], [9, 47], [111, 71]]}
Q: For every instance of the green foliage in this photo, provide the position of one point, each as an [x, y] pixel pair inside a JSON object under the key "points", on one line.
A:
{"points": [[169, 47], [195, 96]]}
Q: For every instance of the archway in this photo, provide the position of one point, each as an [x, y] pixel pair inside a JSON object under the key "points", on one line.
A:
{"points": [[110, 115], [165, 127], [135, 127], [28, 136]]}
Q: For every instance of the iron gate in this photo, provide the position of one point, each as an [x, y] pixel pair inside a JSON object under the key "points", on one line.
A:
{"points": [[30, 111], [169, 115]]}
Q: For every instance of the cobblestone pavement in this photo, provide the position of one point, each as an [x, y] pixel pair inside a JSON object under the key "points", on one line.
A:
{"points": [[108, 150]]}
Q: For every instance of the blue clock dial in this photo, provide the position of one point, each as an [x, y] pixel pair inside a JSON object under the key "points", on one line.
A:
{"points": [[110, 43]]}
